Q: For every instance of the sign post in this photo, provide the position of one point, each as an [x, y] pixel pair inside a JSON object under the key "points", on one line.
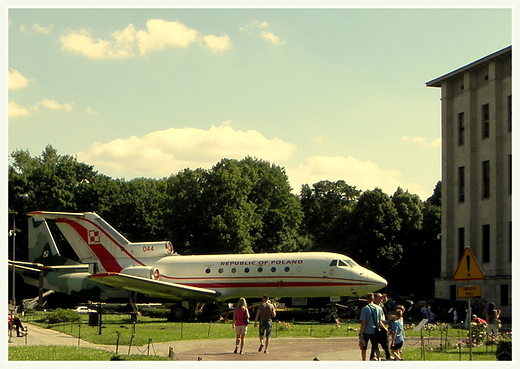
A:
{"points": [[469, 270]]}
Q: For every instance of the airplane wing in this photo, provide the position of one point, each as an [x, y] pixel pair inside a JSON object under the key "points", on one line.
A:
{"points": [[36, 267], [148, 287]]}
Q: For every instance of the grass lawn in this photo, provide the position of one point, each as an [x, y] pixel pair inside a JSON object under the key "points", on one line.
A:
{"points": [[65, 353], [441, 342]]}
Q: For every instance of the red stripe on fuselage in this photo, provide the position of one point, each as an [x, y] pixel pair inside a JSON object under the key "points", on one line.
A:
{"points": [[264, 282]]}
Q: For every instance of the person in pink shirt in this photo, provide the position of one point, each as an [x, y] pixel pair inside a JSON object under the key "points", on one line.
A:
{"points": [[240, 322]]}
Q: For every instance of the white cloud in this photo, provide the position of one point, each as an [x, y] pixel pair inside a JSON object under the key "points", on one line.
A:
{"points": [[321, 139], [17, 80], [131, 42], [254, 24], [91, 111], [274, 39], [160, 34], [42, 29], [54, 105], [161, 153], [364, 175], [218, 44], [80, 42], [16, 110], [422, 141]]}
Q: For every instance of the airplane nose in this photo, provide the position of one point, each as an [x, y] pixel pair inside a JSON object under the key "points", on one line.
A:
{"points": [[376, 281]]}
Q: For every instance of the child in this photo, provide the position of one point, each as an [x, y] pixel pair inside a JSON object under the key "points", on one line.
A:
{"points": [[397, 335]]}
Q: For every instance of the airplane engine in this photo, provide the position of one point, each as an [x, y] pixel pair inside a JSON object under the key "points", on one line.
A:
{"points": [[143, 272], [149, 249]]}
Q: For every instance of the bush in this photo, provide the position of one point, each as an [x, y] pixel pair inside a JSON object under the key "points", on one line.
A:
{"points": [[156, 313], [62, 316], [503, 352]]}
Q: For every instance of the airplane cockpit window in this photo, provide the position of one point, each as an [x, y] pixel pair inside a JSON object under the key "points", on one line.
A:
{"points": [[351, 263], [343, 263]]}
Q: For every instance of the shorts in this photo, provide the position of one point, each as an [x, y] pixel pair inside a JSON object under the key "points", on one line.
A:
{"points": [[397, 346], [366, 339], [241, 329], [266, 327]]}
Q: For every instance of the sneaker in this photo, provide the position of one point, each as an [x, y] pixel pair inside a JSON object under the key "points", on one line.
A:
{"points": [[260, 348], [266, 352], [236, 349], [241, 352]]}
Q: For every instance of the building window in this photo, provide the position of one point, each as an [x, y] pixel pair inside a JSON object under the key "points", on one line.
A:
{"points": [[461, 241], [486, 242], [462, 184], [486, 179], [504, 295], [485, 121], [461, 128], [453, 292], [509, 113]]}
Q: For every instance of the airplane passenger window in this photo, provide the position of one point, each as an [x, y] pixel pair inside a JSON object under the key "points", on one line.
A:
{"points": [[221, 270], [333, 263], [208, 271], [233, 270], [287, 269], [273, 269], [260, 270], [246, 270]]}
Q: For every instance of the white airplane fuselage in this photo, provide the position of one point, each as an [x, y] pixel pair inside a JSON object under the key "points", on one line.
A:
{"points": [[307, 274]]}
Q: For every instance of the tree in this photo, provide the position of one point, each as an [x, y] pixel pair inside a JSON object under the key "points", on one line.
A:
{"points": [[238, 206], [137, 209], [327, 207], [373, 231], [48, 182]]}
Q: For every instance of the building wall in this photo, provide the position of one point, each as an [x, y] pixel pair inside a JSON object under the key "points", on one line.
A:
{"points": [[469, 215]]}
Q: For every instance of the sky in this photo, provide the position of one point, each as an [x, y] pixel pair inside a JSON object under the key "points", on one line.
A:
{"points": [[325, 93]]}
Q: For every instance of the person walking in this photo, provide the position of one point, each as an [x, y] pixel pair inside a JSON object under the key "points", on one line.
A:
{"points": [[371, 319], [397, 340], [240, 322], [264, 315], [492, 319], [382, 338]]}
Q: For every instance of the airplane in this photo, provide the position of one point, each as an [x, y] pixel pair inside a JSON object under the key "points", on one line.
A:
{"points": [[155, 270]]}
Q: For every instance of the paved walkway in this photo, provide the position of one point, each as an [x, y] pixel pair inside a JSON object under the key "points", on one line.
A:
{"points": [[280, 349]]}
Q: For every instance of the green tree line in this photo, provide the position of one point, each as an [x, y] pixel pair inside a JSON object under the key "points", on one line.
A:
{"points": [[239, 206]]}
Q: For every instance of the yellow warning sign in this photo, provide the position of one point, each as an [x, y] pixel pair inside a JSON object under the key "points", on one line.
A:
{"points": [[468, 268], [469, 292]]}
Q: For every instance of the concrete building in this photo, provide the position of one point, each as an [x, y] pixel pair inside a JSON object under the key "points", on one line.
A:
{"points": [[477, 176]]}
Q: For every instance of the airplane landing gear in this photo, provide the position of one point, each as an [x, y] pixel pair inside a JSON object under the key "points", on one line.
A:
{"points": [[180, 313]]}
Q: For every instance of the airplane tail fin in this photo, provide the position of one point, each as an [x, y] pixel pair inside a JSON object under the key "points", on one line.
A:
{"points": [[42, 247], [100, 245], [94, 241]]}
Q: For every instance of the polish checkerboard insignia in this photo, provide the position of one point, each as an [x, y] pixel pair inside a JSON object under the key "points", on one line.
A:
{"points": [[93, 237]]}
